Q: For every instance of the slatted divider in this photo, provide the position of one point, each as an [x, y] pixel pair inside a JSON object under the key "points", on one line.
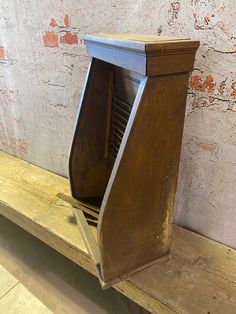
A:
{"points": [[122, 102]]}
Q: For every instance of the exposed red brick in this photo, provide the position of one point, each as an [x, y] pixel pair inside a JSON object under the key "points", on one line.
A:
{"points": [[233, 91], [3, 53], [208, 85], [209, 147], [53, 23], [195, 82], [66, 20], [69, 38], [50, 39]]}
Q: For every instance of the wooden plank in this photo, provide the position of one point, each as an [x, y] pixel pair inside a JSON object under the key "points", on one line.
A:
{"points": [[87, 235], [204, 253], [87, 208], [187, 288], [200, 277]]}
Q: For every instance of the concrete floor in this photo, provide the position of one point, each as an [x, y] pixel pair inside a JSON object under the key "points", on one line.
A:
{"points": [[34, 279], [15, 298]]}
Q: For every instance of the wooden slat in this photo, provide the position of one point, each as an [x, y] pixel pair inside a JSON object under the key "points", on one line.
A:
{"points": [[117, 133], [122, 103], [109, 106], [116, 125], [87, 235], [118, 116], [200, 276], [121, 111], [72, 201], [133, 76], [125, 87]]}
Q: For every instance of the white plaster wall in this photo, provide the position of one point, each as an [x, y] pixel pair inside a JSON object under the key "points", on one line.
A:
{"points": [[42, 71]]}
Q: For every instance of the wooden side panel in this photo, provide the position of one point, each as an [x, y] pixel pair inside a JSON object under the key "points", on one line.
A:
{"points": [[89, 170], [104, 112], [136, 215], [169, 63]]}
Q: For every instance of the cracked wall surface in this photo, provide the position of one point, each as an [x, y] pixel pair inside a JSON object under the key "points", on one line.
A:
{"points": [[42, 71]]}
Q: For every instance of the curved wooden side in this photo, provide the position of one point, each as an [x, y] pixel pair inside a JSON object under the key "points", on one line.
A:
{"points": [[89, 170], [135, 220]]}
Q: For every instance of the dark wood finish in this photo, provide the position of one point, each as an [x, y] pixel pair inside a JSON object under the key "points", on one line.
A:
{"points": [[138, 208], [126, 148], [89, 170], [103, 114], [144, 54], [125, 87]]}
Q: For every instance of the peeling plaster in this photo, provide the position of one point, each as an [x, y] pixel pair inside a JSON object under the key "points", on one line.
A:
{"points": [[3, 53], [50, 39]]}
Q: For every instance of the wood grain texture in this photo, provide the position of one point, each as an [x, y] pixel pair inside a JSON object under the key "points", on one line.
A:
{"points": [[146, 111], [137, 210], [199, 277], [128, 59], [89, 171], [125, 87], [175, 62], [144, 54]]}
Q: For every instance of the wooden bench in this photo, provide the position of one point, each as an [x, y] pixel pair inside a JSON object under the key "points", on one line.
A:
{"points": [[200, 276]]}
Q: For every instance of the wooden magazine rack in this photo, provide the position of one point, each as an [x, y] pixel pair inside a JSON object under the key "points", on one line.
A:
{"points": [[125, 153]]}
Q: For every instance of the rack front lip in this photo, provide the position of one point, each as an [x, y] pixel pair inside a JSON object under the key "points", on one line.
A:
{"points": [[148, 59], [147, 47]]}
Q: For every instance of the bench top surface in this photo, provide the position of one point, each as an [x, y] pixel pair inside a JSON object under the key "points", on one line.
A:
{"points": [[199, 277]]}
